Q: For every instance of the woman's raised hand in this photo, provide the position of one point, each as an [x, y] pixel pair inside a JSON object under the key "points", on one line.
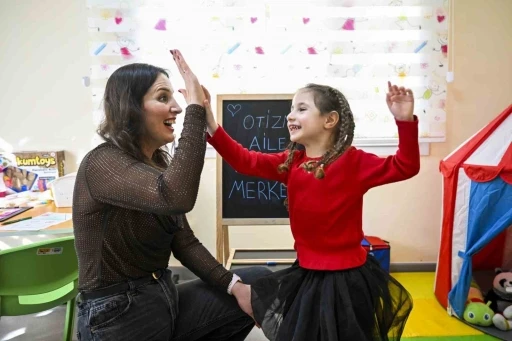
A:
{"points": [[193, 93]]}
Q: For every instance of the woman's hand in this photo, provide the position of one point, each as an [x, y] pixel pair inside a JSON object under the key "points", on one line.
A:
{"points": [[242, 293], [400, 102], [193, 93]]}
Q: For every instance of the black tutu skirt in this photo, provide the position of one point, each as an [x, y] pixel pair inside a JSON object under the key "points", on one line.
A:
{"points": [[360, 304]]}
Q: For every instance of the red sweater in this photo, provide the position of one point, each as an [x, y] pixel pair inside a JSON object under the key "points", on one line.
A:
{"points": [[326, 214]]}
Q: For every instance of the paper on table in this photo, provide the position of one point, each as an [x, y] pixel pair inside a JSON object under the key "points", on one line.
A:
{"points": [[38, 223], [54, 216]]}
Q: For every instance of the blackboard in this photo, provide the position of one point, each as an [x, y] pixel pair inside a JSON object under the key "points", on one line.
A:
{"points": [[258, 122]]}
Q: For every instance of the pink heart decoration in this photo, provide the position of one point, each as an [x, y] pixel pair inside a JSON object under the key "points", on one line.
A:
{"points": [[349, 24], [161, 25], [126, 53]]}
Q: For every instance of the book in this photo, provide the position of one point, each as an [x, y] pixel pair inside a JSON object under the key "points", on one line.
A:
{"points": [[9, 212]]}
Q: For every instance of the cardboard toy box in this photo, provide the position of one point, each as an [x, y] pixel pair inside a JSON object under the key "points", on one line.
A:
{"points": [[46, 165]]}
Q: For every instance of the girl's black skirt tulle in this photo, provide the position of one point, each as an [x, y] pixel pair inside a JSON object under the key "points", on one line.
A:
{"points": [[360, 304]]}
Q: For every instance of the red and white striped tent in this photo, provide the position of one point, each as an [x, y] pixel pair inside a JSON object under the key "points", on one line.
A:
{"points": [[477, 211]]}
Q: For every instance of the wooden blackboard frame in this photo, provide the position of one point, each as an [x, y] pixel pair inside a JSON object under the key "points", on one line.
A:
{"points": [[222, 231]]}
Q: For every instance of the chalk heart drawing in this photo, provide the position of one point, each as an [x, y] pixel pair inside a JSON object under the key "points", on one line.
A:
{"points": [[233, 109]]}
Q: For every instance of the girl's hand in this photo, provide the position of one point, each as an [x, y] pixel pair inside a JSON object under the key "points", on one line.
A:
{"points": [[211, 124], [400, 102]]}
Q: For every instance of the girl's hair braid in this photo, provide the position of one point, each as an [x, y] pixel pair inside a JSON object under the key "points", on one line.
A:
{"points": [[284, 167], [344, 135]]}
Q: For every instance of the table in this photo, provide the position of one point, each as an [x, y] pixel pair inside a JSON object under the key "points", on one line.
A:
{"points": [[62, 228]]}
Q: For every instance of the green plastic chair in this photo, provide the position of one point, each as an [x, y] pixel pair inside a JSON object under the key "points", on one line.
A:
{"points": [[38, 277]]}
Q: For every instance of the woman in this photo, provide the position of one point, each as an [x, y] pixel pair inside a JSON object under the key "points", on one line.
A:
{"points": [[129, 208]]}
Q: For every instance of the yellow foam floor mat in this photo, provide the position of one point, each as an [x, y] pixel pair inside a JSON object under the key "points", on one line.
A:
{"points": [[428, 317]]}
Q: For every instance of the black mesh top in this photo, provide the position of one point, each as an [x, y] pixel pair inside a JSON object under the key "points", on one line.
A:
{"points": [[129, 216]]}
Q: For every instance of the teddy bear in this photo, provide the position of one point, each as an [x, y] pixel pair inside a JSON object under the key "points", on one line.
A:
{"points": [[500, 297]]}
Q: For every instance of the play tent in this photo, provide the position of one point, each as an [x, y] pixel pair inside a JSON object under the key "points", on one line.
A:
{"points": [[477, 211]]}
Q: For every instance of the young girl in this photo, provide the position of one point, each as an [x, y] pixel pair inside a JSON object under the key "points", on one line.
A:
{"points": [[334, 291]]}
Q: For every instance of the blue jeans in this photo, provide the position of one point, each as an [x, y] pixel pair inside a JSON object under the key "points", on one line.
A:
{"points": [[159, 310]]}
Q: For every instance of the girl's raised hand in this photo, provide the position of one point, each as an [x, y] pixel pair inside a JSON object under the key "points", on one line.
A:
{"points": [[400, 102]]}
